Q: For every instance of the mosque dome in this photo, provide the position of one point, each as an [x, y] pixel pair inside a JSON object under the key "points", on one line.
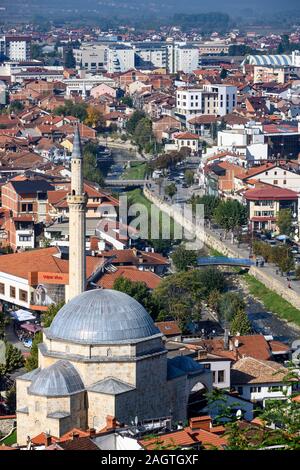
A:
{"points": [[102, 316], [60, 379]]}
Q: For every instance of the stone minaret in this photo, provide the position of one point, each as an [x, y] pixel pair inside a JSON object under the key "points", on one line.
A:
{"points": [[77, 201]]}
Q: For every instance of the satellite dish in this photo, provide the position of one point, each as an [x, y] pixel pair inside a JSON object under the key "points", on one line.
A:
{"points": [[239, 414], [136, 421]]}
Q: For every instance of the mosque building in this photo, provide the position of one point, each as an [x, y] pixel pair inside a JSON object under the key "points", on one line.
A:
{"points": [[102, 355]]}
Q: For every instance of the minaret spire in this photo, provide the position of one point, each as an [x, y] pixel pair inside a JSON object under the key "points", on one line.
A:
{"points": [[77, 201]]}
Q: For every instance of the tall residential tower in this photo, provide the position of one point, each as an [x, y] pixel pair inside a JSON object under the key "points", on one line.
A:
{"points": [[77, 201]]}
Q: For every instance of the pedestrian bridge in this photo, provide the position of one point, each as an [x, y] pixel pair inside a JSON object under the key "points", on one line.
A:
{"points": [[224, 261], [119, 183]]}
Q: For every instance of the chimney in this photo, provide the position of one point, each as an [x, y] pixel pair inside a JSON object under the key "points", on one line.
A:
{"points": [[226, 339], [202, 354], [74, 435], [200, 422], [92, 432], [111, 422], [48, 441]]}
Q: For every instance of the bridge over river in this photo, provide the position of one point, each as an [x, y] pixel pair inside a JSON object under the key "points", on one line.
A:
{"points": [[224, 261]]}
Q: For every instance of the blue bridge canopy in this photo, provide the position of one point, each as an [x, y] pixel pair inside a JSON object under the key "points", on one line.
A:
{"points": [[223, 260]]}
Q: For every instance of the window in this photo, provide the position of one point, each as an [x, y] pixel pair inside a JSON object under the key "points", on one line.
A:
{"points": [[275, 172], [240, 390], [12, 292], [2, 288], [275, 388], [255, 389], [207, 366], [24, 238], [284, 181], [275, 181], [221, 376], [23, 295]]}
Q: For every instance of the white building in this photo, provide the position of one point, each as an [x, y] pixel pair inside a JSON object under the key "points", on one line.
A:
{"points": [[120, 58], [112, 58], [258, 381], [91, 57], [186, 58], [18, 47], [217, 100], [3, 93]]}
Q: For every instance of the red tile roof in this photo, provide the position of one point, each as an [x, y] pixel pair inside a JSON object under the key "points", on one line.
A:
{"points": [[132, 273], [186, 135], [273, 193], [168, 328]]}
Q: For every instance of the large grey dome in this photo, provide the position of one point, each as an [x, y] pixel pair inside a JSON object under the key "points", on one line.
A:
{"points": [[60, 379], [102, 316]]}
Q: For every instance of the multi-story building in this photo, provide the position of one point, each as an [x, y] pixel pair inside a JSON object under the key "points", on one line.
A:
{"points": [[91, 57], [265, 203], [217, 100], [261, 142], [17, 47], [120, 58], [186, 58]]}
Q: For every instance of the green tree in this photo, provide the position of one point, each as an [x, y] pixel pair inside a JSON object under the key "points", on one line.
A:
{"points": [[171, 190], [13, 357], [11, 400], [70, 62], [189, 177], [230, 303], [32, 360], [91, 171], [36, 51], [284, 221], [16, 107], [230, 214], [127, 100], [223, 74], [283, 258], [240, 323], [139, 291], [143, 135], [51, 312], [210, 203], [133, 121], [184, 259], [180, 295], [47, 318]]}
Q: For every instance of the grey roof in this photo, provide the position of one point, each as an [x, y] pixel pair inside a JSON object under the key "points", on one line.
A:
{"points": [[58, 414], [77, 150], [173, 372], [102, 316], [60, 379], [186, 364], [30, 375], [111, 386], [270, 60]]}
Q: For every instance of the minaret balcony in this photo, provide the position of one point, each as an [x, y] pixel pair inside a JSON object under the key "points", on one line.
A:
{"points": [[77, 199]]}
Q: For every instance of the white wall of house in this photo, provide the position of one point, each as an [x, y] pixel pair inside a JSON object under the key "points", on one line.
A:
{"points": [[263, 392], [221, 372], [8, 280]]}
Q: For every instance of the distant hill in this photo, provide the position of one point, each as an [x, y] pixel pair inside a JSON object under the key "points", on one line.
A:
{"points": [[54, 9]]}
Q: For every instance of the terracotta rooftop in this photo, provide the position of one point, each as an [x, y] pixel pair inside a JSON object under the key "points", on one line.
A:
{"points": [[132, 256], [41, 260], [132, 273], [168, 328], [273, 193], [253, 371]]}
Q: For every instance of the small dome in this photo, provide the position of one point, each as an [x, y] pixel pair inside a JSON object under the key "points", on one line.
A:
{"points": [[102, 316], [60, 379]]}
